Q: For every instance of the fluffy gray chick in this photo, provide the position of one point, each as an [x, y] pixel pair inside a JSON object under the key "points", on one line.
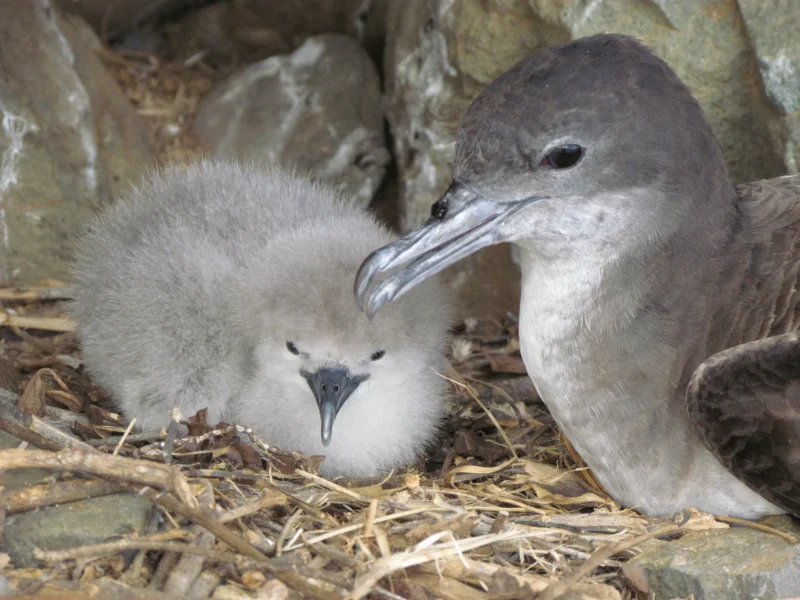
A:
{"points": [[231, 288]]}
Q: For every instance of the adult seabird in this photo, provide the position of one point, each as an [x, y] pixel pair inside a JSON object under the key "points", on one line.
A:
{"points": [[228, 288], [640, 261]]}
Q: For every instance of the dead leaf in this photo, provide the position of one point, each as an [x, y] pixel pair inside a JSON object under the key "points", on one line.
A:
{"points": [[506, 363], [253, 579], [197, 424], [250, 458], [67, 399], [33, 396]]}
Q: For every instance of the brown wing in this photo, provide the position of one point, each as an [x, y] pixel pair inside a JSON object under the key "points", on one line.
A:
{"points": [[771, 204], [745, 405]]}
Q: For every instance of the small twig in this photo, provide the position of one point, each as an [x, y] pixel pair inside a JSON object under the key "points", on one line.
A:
{"points": [[333, 486], [207, 520], [117, 546], [26, 435], [36, 294], [757, 526], [173, 429], [60, 437], [59, 492], [124, 437], [268, 499], [350, 528], [115, 468], [337, 555], [295, 577], [62, 415], [369, 524], [189, 567], [165, 566], [145, 436], [43, 323], [597, 558]]}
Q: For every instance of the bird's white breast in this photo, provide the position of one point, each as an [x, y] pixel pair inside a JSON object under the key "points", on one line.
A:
{"points": [[609, 383]]}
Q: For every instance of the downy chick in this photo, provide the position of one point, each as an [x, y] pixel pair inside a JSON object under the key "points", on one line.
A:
{"points": [[230, 288]]}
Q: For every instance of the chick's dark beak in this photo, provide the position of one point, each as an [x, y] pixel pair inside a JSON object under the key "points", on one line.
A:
{"points": [[331, 386], [462, 222]]}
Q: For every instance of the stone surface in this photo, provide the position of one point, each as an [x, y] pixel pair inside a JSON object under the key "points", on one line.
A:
{"points": [[721, 564], [773, 26], [245, 31], [316, 110], [441, 53], [69, 140], [74, 524], [120, 16], [66, 525]]}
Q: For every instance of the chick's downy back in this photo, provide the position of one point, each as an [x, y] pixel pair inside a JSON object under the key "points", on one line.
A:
{"points": [[224, 287]]}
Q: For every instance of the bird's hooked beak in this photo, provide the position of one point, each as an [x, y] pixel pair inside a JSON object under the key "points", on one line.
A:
{"points": [[462, 221], [332, 386]]}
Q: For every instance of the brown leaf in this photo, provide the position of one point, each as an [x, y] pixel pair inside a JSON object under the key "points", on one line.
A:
{"points": [[506, 363], [466, 442], [228, 435], [250, 457], [68, 400], [85, 431], [32, 400], [230, 455], [99, 415], [253, 579], [283, 462], [198, 424]]}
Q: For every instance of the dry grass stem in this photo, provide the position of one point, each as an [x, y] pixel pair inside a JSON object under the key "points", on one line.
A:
{"points": [[44, 323], [757, 526]]}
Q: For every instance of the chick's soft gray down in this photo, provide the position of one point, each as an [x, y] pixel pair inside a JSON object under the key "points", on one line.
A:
{"points": [[230, 288]]}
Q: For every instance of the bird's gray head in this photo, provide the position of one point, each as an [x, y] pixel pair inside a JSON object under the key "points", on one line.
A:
{"points": [[578, 148], [314, 351]]}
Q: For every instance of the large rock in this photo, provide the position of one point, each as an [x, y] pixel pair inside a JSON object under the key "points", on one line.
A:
{"points": [[65, 525], [770, 25], [441, 53], [73, 524], [721, 564], [121, 16], [69, 139], [317, 110]]}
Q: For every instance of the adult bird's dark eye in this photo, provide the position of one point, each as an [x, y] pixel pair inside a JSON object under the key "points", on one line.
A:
{"points": [[438, 210], [378, 355], [563, 157], [292, 348]]}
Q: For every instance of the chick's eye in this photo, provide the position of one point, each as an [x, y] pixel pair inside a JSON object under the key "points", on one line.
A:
{"points": [[562, 157], [292, 348], [378, 355]]}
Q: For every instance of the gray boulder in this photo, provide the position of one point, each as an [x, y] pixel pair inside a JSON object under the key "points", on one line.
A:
{"points": [[69, 139], [317, 110]]}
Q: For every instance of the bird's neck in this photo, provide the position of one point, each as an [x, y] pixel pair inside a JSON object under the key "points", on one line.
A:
{"points": [[604, 337]]}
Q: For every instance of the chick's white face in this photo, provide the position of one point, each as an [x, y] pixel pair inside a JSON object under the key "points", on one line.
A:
{"points": [[378, 379]]}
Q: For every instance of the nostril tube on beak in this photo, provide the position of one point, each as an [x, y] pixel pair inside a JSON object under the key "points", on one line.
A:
{"points": [[331, 386]]}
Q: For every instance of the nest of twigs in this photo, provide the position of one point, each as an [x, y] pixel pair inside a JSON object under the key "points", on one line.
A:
{"points": [[499, 509]]}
